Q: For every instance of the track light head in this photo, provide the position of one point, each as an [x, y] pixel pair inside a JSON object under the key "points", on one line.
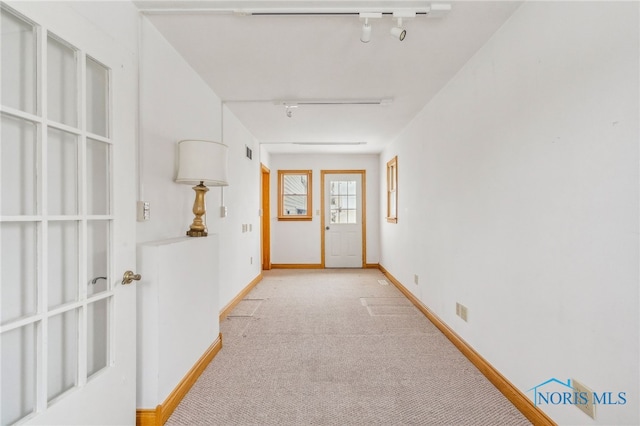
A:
{"points": [[399, 32], [365, 37]]}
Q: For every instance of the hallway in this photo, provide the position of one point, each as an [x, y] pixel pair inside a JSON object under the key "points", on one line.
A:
{"points": [[337, 347]]}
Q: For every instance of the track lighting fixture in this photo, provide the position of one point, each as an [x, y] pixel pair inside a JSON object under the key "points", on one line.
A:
{"points": [[291, 105], [365, 37], [399, 32], [289, 110]]}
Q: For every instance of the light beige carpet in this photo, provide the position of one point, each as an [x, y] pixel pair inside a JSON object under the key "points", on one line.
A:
{"points": [[336, 347]]}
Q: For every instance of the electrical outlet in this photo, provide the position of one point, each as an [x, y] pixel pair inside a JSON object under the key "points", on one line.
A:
{"points": [[463, 312], [584, 399], [415, 279]]}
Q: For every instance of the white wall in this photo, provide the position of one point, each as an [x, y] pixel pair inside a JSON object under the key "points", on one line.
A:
{"points": [[299, 241], [176, 104], [240, 260], [176, 295], [188, 109], [518, 197], [265, 157]]}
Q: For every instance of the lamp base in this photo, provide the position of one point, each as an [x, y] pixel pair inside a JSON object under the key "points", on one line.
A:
{"points": [[195, 233], [198, 228]]}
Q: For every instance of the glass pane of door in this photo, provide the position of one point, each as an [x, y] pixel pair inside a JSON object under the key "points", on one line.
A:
{"points": [[63, 353], [62, 174], [97, 98], [97, 336], [18, 369], [97, 256], [343, 202], [98, 188], [18, 156], [18, 47], [62, 82], [18, 266], [63, 256]]}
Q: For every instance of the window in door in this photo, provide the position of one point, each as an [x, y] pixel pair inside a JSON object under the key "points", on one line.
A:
{"points": [[55, 217], [342, 206]]}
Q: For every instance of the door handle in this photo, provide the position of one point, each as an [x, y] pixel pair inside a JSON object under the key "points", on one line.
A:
{"points": [[327, 228], [95, 280], [129, 277]]}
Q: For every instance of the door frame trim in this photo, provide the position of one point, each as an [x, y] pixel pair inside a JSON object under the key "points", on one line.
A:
{"points": [[265, 220], [363, 175]]}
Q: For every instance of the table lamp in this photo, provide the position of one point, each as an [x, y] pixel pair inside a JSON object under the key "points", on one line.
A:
{"points": [[201, 163]]}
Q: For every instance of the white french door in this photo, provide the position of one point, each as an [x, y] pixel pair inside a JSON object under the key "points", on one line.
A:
{"points": [[67, 229], [343, 219]]}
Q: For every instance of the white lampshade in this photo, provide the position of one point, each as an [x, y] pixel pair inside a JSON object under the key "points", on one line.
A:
{"points": [[202, 161]]}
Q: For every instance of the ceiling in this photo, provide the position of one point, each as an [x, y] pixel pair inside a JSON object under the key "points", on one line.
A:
{"points": [[255, 63]]}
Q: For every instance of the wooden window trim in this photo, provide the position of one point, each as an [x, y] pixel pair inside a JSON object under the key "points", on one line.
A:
{"points": [[392, 189], [309, 214]]}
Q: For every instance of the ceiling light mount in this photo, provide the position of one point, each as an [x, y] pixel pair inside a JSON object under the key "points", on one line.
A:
{"points": [[288, 109]]}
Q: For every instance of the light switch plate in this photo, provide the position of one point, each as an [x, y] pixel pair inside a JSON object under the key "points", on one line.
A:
{"points": [[143, 211]]}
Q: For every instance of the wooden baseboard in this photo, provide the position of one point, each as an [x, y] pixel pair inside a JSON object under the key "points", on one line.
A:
{"points": [[157, 417], [148, 417], [296, 266], [313, 266], [227, 309], [513, 394]]}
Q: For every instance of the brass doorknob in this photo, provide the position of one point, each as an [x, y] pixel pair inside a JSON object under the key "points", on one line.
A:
{"points": [[129, 276]]}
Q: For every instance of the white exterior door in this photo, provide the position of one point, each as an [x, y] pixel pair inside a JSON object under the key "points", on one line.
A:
{"points": [[343, 219], [67, 220]]}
